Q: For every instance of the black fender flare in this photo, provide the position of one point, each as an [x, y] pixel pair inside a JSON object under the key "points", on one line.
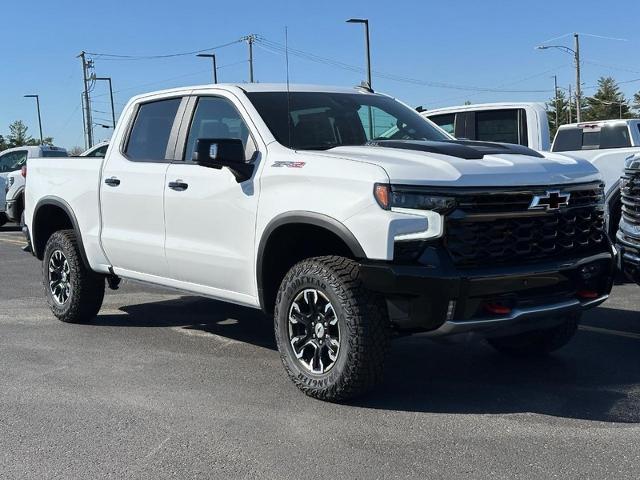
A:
{"points": [[60, 203], [611, 198], [308, 218]]}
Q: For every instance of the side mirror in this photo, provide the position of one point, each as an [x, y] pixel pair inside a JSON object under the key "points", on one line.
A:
{"points": [[223, 152]]}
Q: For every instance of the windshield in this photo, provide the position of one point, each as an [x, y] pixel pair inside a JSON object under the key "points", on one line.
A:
{"points": [[321, 120]]}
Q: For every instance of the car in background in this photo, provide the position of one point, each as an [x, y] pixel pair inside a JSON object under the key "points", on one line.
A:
{"points": [[98, 150], [607, 144], [519, 123]]}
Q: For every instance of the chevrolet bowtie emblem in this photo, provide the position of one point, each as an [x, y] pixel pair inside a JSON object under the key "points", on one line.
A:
{"points": [[552, 200]]}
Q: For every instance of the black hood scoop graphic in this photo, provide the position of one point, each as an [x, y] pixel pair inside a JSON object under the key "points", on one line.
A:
{"points": [[466, 149]]}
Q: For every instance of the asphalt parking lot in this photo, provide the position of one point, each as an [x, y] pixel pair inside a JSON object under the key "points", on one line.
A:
{"points": [[168, 385]]}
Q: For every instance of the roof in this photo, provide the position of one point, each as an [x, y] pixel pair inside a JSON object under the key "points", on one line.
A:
{"points": [[485, 106]]}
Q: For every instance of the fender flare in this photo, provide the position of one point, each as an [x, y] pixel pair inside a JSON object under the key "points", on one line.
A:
{"points": [[60, 203], [612, 196], [307, 218]]}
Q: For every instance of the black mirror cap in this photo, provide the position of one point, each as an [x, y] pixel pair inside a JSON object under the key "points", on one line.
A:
{"points": [[223, 152]]}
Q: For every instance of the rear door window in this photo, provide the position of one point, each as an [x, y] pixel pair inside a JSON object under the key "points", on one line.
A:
{"points": [[498, 126], [12, 161], [149, 137], [446, 121]]}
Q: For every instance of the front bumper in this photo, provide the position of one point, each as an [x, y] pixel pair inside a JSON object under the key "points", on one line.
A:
{"points": [[444, 300]]}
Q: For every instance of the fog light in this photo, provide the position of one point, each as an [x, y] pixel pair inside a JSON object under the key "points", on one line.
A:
{"points": [[587, 294], [496, 309], [590, 271]]}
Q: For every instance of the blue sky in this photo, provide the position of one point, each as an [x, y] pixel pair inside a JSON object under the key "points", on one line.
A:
{"points": [[485, 44]]}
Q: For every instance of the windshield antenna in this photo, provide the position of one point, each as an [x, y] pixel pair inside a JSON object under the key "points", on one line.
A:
{"points": [[286, 56]]}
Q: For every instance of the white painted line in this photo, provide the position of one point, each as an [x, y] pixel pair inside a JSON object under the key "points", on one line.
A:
{"points": [[606, 331]]}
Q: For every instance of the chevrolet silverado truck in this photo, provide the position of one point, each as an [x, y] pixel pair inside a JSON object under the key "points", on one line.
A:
{"points": [[298, 201], [628, 235], [606, 144]]}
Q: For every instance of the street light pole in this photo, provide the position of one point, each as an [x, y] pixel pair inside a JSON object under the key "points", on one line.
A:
{"points": [[212, 56], [113, 111], [555, 90], [39, 117], [578, 88], [365, 22]]}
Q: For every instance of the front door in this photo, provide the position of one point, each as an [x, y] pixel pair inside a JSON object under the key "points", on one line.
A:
{"points": [[132, 190], [210, 217]]}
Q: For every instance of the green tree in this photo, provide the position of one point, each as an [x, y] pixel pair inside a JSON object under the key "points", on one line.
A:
{"points": [[562, 106], [19, 136], [636, 104], [608, 102], [3, 143]]}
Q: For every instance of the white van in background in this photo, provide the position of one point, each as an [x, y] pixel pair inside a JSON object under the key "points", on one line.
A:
{"points": [[520, 123]]}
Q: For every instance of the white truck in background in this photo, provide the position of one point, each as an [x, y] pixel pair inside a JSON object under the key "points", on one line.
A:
{"points": [[287, 199], [13, 162], [523, 123], [607, 144]]}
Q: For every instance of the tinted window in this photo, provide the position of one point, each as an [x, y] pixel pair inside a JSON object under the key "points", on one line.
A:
{"points": [[498, 126], [447, 122], [322, 120], [12, 161], [99, 152], [592, 138], [151, 130], [217, 118], [54, 153]]}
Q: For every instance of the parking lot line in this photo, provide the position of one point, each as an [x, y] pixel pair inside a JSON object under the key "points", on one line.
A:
{"points": [[607, 331]]}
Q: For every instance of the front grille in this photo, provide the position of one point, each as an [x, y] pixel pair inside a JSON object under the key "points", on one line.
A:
{"points": [[497, 227], [630, 192]]}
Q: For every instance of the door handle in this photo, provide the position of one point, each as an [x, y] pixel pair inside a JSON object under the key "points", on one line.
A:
{"points": [[112, 181], [178, 186]]}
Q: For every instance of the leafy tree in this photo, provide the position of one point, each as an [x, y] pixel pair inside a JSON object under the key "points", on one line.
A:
{"points": [[608, 102], [3, 143], [75, 151]]}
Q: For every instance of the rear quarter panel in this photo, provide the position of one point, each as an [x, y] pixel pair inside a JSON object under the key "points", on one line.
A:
{"points": [[74, 181]]}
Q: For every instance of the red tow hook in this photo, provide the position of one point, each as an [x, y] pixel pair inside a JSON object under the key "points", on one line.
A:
{"points": [[587, 294], [496, 309]]}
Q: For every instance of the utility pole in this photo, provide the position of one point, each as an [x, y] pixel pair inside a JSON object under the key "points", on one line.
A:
{"points": [[250, 39], [212, 56], [555, 90], [84, 121], [113, 111], [578, 89], [570, 119], [87, 103]]}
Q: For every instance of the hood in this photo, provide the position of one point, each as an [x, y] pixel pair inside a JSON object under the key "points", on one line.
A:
{"points": [[486, 164]]}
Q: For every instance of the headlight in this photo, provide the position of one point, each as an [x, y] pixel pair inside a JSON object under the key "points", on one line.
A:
{"points": [[388, 198]]}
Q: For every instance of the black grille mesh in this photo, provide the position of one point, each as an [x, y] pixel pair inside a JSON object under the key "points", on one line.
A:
{"points": [[630, 192], [498, 228]]}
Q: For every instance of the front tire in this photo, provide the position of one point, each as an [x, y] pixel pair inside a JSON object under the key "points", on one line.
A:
{"points": [[74, 292], [332, 333], [537, 342]]}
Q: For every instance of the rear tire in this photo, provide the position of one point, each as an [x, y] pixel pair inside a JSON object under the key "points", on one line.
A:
{"points": [[332, 333], [537, 342], [3, 218], [74, 292]]}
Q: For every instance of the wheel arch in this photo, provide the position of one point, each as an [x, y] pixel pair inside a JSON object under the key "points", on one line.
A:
{"points": [[50, 215], [334, 233]]}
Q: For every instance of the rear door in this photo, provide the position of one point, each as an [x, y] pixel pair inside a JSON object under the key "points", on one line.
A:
{"points": [[210, 217], [132, 189]]}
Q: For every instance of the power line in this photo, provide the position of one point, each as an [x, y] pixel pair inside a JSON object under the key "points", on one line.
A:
{"points": [[112, 56], [278, 48]]}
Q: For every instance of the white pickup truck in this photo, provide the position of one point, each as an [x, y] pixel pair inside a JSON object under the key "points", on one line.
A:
{"points": [[607, 144], [292, 202]]}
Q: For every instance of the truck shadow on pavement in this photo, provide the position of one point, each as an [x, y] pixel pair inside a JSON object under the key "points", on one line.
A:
{"points": [[595, 377]]}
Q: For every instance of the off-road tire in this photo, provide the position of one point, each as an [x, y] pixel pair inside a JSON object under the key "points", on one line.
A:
{"points": [[87, 287], [363, 320], [537, 342]]}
